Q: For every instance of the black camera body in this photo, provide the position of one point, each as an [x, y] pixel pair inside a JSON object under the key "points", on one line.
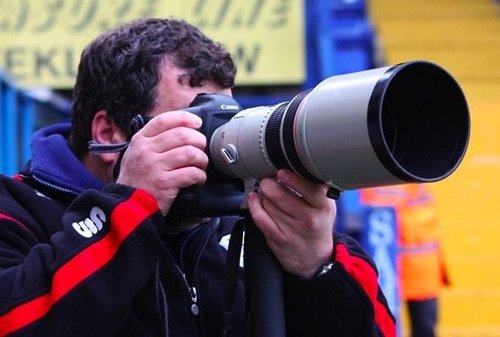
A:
{"points": [[222, 194]]}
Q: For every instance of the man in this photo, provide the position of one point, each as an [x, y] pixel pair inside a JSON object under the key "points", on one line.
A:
{"points": [[85, 254], [421, 261]]}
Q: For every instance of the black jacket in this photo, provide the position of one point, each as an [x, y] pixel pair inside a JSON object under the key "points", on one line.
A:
{"points": [[81, 259]]}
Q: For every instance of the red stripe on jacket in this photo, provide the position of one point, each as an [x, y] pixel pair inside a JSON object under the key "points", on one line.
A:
{"points": [[367, 278], [11, 219], [125, 218]]}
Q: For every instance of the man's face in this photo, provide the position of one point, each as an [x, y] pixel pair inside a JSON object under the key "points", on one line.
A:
{"points": [[174, 94]]}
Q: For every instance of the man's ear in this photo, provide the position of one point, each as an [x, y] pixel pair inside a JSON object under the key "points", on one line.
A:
{"points": [[105, 131]]}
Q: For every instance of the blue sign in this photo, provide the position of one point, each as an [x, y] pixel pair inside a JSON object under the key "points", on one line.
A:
{"points": [[379, 238]]}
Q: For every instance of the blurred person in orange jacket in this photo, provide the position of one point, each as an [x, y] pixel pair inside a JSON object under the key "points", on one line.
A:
{"points": [[421, 265]]}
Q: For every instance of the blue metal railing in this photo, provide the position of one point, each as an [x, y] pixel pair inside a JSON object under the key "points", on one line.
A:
{"points": [[23, 111], [8, 114]]}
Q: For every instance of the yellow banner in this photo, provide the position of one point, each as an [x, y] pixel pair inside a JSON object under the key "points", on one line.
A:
{"points": [[41, 40]]}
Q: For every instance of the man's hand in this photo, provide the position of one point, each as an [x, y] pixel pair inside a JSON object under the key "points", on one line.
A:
{"points": [[167, 154], [296, 219]]}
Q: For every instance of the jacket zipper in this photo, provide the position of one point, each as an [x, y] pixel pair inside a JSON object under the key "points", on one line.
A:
{"points": [[53, 186], [195, 309], [193, 292]]}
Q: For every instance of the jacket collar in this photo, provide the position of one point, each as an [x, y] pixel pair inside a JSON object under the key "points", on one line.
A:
{"points": [[55, 165]]}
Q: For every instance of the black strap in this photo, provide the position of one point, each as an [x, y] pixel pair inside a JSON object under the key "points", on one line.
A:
{"points": [[137, 122], [232, 274], [97, 148]]}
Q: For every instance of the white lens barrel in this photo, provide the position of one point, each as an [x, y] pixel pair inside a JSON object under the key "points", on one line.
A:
{"points": [[391, 125]]}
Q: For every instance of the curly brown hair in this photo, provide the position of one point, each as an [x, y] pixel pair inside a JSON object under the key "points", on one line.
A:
{"points": [[119, 71]]}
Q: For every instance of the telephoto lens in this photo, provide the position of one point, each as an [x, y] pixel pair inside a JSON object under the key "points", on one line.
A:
{"points": [[392, 125]]}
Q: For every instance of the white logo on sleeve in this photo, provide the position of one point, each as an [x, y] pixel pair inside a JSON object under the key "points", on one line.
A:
{"points": [[91, 225]]}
